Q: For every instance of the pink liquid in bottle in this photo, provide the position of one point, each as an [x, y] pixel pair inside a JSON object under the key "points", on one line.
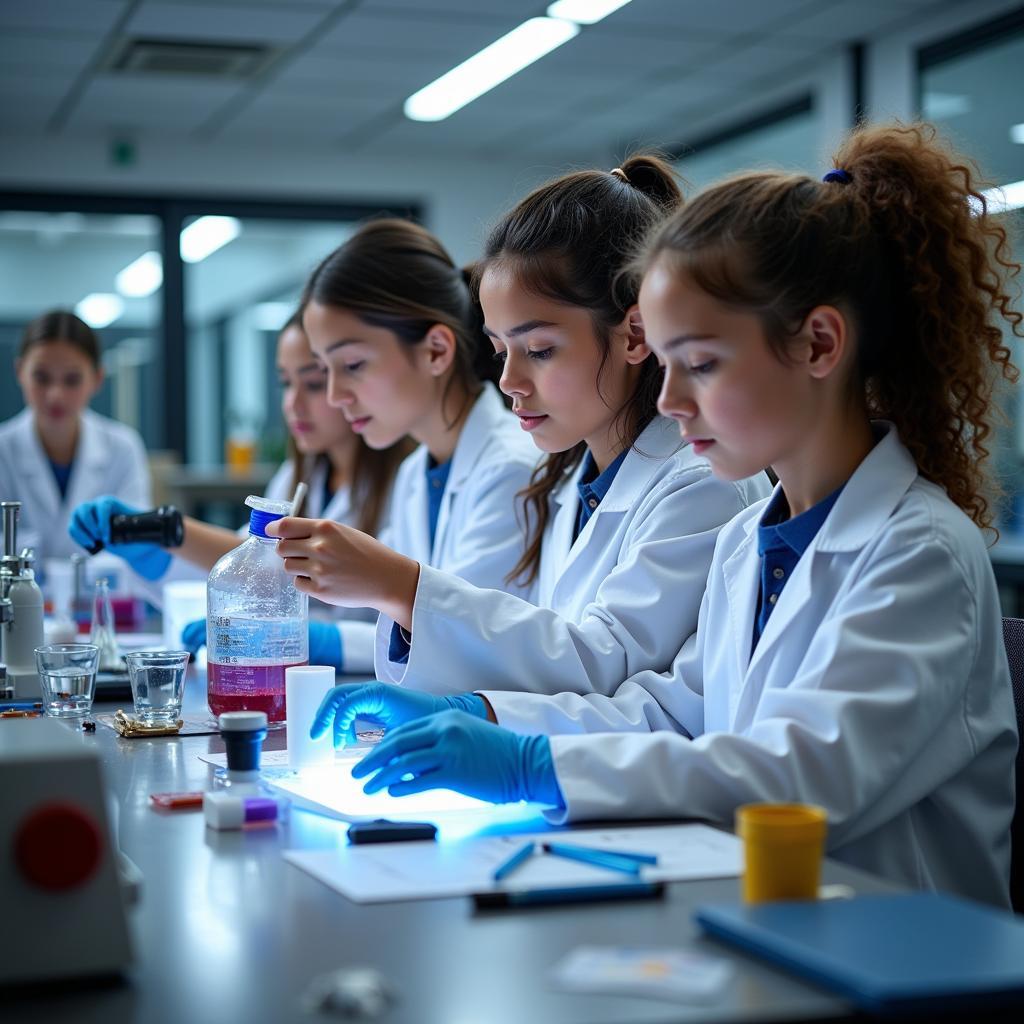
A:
{"points": [[248, 688]]}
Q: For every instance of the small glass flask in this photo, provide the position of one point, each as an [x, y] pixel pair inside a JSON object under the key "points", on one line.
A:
{"points": [[102, 632]]}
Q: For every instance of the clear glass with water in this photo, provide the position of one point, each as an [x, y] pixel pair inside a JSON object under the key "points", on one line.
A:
{"points": [[256, 625], [158, 684], [67, 675]]}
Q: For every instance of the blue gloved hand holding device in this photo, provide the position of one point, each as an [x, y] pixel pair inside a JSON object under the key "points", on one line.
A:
{"points": [[387, 705], [139, 537], [456, 750]]}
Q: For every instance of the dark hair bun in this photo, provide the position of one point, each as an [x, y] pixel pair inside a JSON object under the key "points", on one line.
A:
{"points": [[655, 177]]}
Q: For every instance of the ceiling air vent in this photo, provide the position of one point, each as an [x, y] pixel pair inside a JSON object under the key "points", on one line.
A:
{"points": [[179, 57]]}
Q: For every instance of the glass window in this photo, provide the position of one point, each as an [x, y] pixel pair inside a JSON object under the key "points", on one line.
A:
{"points": [[243, 280], [787, 140], [970, 88], [106, 267]]}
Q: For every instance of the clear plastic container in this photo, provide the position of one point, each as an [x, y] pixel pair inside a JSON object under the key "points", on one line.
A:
{"points": [[256, 622]]}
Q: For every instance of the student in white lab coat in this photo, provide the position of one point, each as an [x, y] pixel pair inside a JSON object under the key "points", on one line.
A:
{"points": [[57, 453], [850, 649], [347, 482], [394, 321], [622, 517]]}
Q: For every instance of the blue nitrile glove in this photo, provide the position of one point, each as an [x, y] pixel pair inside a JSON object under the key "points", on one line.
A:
{"points": [[454, 750], [90, 522], [385, 704], [193, 636], [325, 646]]}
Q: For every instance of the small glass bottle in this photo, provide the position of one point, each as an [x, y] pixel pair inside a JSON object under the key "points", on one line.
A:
{"points": [[102, 633], [256, 622]]}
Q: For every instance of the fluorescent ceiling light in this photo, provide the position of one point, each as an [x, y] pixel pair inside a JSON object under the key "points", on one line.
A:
{"points": [[938, 106], [141, 277], [272, 316], [1005, 197], [100, 308], [488, 68], [1017, 133], [584, 12], [207, 235]]}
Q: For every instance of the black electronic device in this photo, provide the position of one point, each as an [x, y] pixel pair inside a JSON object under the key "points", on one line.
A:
{"points": [[163, 526], [383, 831]]}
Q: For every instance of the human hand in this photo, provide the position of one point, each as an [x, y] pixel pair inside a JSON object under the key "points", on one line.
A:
{"points": [[344, 566], [387, 705], [193, 636], [454, 750], [90, 527]]}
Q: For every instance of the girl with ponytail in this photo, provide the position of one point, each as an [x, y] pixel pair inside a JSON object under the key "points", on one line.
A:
{"points": [[848, 332], [621, 517], [394, 322]]}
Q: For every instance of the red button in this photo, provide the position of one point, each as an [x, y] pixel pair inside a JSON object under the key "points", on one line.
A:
{"points": [[57, 846]]}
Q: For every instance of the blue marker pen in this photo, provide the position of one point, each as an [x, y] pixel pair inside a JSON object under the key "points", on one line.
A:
{"points": [[506, 867]]}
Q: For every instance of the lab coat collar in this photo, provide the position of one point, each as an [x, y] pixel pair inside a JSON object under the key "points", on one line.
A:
{"points": [[867, 501], [487, 410], [657, 441], [868, 498]]}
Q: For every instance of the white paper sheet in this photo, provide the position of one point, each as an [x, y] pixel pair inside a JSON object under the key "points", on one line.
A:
{"points": [[388, 872]]}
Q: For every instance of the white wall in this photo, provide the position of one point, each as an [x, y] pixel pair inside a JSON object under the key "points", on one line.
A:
{"points": [[461, 198]]}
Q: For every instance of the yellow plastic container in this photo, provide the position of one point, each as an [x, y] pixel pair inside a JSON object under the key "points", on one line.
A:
{"points": [[782, 850]]}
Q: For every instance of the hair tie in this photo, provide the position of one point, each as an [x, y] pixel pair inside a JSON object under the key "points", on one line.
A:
{"points": [[618, 172], [839, 175]]}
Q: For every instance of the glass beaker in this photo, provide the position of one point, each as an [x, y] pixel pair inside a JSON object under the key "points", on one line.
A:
{"points": [[102, 633]]}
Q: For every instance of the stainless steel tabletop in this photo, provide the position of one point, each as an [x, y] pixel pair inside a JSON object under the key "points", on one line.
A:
{"points": [[227, 931]]}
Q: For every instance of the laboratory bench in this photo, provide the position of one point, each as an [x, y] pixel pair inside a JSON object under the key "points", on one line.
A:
{"points": [[226, 930]]}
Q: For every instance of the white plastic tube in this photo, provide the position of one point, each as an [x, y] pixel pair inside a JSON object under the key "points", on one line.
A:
{"points": [[305, 686]]}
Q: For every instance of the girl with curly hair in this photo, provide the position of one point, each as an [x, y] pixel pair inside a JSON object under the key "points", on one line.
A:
{"points": [[849, 652]]}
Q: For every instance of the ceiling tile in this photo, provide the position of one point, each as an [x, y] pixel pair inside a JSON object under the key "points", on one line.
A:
{"points": [[87, 17], [224, 22], [149, 102]]}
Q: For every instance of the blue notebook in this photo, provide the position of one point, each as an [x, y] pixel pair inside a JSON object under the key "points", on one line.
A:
{"points": [[893, 954]]}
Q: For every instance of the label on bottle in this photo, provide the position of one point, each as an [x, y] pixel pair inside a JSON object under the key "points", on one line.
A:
{"points": [[234, 640]]}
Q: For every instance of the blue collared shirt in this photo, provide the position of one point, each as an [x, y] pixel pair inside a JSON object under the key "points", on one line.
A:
{"points": [[62, 474], [593, 487], [437, 480], [781, 541]]}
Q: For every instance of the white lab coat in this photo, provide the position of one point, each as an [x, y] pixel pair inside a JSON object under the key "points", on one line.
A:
{"points": [[110, 459], [478, 537], [620, 598], [356, 625], [878, 690]]}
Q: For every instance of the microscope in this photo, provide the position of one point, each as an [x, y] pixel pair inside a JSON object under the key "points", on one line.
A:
{"points": [[21, 609]]}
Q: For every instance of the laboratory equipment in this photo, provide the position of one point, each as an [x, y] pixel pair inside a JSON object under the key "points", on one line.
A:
{"points": [[21, 608], [162, 526], [243, 733], [305, 689], [158, 684], [224, 810], [102, 633], [63, 904], [67, 677], [256, 622]]}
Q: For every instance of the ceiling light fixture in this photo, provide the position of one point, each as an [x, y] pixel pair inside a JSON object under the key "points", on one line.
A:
{"points": [[584, 12], [206, 235], [100, 309], [490, 67], [1017, 133], [141, 277], [1005, 198]]}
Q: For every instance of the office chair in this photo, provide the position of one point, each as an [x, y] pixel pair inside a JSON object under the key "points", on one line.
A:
{"points": [[1013, 638]]}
